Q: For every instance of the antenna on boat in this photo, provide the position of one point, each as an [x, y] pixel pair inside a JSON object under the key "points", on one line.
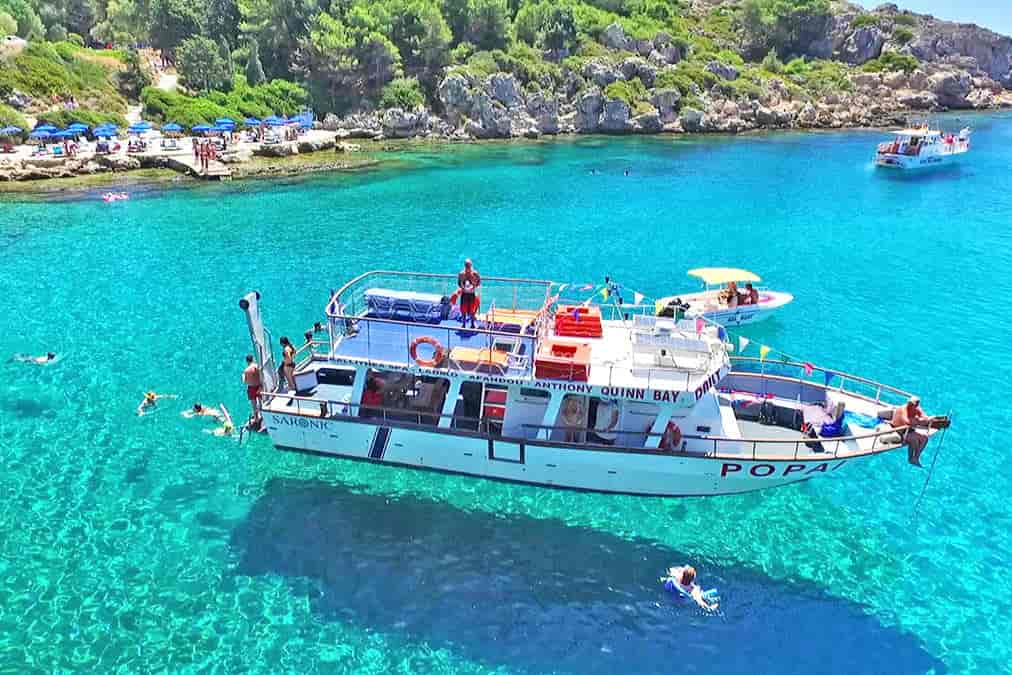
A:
{"points": [[931, 470]]}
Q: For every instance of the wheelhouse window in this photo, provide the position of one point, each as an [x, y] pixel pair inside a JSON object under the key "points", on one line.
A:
{"points": [[403, 397]]}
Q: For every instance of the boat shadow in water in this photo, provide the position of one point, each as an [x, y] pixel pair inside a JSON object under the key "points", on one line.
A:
{"points": [[535, 594]]}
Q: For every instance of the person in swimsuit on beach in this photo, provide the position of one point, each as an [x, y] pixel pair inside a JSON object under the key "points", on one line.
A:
{"points": [[288, 362], [468, 281], [684, 579], [201, 410], [251, 378], [150, 400]]}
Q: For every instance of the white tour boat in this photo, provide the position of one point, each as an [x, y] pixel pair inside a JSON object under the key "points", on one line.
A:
{"points": [[583, 397], [922, 147], [716, 304]]}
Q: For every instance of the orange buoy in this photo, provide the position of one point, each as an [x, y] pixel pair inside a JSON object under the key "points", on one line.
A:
{"points": [[437, 357]]}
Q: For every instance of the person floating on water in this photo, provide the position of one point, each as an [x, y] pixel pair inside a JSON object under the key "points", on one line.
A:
{"points": [[226, 429], [44, 360], [468, 281], [150, 401], [201, 410], [683, 580]]}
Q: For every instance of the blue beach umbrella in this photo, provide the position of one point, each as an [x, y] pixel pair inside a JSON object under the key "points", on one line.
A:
{"points": [[171, 126], [48, 128], [201, 128], [222, 128], [66, 133], [224, 122], [105, 132], [10, 131], [275, 121], [78, 125], [251, 122]]}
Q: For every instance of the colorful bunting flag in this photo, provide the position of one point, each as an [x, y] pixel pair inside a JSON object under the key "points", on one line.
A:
{"points": [[604, 293], [742, 343], [763, 352], [658, 306], [828, 374], [809, 368], [700, 324], [638, 297]]}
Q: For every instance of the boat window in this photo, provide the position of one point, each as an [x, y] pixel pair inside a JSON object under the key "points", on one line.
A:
{"points": [[571, 423], [525, 412], [404, 397], [468, 408], [336, 376]]}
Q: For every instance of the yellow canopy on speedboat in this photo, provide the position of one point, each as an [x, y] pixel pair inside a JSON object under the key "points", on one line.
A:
{"points": [[722, 275]]}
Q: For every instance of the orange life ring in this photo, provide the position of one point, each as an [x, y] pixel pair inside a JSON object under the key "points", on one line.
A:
{"points": [[436, 359]]}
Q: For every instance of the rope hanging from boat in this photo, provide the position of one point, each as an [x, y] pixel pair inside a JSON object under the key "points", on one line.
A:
{"points": [[931, 470]]}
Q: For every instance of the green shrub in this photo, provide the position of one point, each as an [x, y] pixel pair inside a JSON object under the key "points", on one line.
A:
{"points": [[903, 35], [461, 53], [404, 92], [629, 91], [865, 20], [818, 76], [11, 117], [642, 108], [905, 20], [277, 97], [891, 61], [731, 58], [92, 118], [75, 39], [772, 63], [56, 33], [44, 70]]}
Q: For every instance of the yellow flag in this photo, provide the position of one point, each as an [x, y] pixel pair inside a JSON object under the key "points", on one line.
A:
{"points": [[658, 306], [763, 352], [604, 293]]}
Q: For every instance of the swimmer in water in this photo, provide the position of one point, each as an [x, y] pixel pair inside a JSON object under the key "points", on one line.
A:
{"points": [[44, 360], [684, 579], [226, 429], [150, 400], [201, 410]]}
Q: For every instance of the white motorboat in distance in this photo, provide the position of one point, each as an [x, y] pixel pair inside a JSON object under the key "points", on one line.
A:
{"points": [[560, 396], [715, 303], [921, 148]]}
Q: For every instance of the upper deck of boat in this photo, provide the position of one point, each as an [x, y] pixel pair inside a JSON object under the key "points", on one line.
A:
{"points": [[388, 319]]}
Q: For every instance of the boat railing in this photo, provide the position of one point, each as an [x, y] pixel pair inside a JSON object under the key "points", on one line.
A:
{"points": [[718, 447], [810, 375], [349, 302]]}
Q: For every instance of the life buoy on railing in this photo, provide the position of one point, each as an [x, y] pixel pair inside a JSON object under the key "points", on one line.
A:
{"points": [[437, 357]]}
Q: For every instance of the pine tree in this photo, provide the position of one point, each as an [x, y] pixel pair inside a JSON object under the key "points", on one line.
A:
{"points": [[254, 69]]}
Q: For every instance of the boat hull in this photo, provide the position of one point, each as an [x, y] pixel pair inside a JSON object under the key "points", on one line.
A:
{"points": [[541, 463], [769, 303], [913, 163]]}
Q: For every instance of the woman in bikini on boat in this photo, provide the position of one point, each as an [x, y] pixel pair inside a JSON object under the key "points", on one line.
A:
{"points": [[288, 362]]}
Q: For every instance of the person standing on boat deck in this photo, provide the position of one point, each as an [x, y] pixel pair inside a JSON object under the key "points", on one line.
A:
{"points": [[606, 422], [753, 294], [251, 378], [910, 415], [288, 362], [468, 281]]}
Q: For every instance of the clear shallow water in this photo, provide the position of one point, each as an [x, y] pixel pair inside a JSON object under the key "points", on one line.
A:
{"points": [[144, 544]]}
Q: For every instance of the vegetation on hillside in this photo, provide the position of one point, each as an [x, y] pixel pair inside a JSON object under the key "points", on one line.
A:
{"points": [[257, 57]]}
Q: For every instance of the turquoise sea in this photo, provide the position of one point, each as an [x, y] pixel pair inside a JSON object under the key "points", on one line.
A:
{"points": [[144, 545]]}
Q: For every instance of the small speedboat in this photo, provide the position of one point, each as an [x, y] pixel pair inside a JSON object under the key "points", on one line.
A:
{"points": [[921, 148], [114, 197], [728, 298]]}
